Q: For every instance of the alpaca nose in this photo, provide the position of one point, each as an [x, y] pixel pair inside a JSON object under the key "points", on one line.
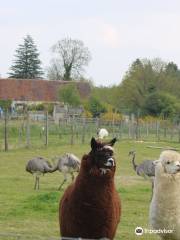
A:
{"points": [[178, 165], [110, 162]]}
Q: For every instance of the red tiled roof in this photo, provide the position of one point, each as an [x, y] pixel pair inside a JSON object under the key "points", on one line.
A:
{"points": [[36, 89]]}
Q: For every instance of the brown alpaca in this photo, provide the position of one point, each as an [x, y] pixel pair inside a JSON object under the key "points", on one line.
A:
{"points": [[90, 208]]}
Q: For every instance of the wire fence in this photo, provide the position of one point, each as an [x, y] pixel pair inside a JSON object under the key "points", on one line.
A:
{"points": [[25, 130]]}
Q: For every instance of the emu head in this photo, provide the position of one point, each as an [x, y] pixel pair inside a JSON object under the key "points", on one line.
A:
{"points": [[102, 158], [132, 153]]}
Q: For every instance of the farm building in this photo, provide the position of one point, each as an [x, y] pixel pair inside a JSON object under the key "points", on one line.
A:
{"points": [[61, 112], [36, 90]]}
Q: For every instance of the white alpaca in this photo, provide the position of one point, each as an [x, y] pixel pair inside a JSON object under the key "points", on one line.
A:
{"points": [[165, 204]]}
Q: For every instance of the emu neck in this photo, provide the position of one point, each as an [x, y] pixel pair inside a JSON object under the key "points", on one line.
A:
{"points": [[53, 169]]}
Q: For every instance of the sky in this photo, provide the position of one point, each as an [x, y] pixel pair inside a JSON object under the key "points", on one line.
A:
{"points": [[115, 31]]}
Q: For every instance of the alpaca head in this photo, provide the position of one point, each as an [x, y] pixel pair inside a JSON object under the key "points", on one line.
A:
{"points": [[170, 161], [101, 161]]}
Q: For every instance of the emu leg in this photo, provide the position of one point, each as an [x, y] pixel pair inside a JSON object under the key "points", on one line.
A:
{"points": [[65, 179], [38, 182], [145, 177], [62, 184], [152, 188], [142, 174], [35, 183], [72, 176]]}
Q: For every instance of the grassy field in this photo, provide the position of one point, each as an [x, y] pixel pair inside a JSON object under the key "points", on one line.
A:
{"points": [[29, 214]]}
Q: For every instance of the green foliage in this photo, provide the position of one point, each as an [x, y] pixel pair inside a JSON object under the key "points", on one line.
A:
{"points": [[138, 82], [50, 108], [176, 117], [160, 104], [95, 107], [5, 104], [148, 87], [41, 107], [107, 95], [26, 64], [36, 107], [111, 116], [69, 95]]}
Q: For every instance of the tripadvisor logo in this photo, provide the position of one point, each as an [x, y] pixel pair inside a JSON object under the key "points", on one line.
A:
{"points": [[139, 231]]}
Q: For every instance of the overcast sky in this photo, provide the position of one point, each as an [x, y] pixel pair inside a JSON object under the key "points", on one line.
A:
{"points": [[115, 31]]}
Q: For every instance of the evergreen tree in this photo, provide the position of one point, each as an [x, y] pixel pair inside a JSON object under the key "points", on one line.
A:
{"points": [[26, 64]]}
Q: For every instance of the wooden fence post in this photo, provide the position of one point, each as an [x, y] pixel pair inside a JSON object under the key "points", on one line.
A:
{"points": [[72, 133], [27, 130], [113, 126], [83, 130], [20, 135], [137, 128], [59, 129], [5, 130], [129, 124], [147, 129], [179, 133], [133, 125], [97, 123], [157, 130], [172, 132], [46, 130], [165, 131]]}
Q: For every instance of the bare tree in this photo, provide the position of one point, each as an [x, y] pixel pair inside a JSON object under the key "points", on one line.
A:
{"points": [[71, 56], [54, 72]]}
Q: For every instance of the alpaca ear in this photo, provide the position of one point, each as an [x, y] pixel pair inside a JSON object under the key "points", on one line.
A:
{"points": [[112, 142], [93, 143]]}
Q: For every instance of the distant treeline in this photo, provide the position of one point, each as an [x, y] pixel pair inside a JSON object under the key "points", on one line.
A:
{"points": [[149, 87]]}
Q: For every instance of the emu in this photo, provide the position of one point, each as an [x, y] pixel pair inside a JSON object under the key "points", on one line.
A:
{"points": [[90, 207], [38, 166], [68, 163], [146, 168]]}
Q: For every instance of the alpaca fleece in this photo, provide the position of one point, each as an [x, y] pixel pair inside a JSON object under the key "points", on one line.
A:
{"points": [[165, 205], [90, 207]]}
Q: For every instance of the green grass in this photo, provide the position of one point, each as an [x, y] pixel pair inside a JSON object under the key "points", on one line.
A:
{"points": [[33, 214]]}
